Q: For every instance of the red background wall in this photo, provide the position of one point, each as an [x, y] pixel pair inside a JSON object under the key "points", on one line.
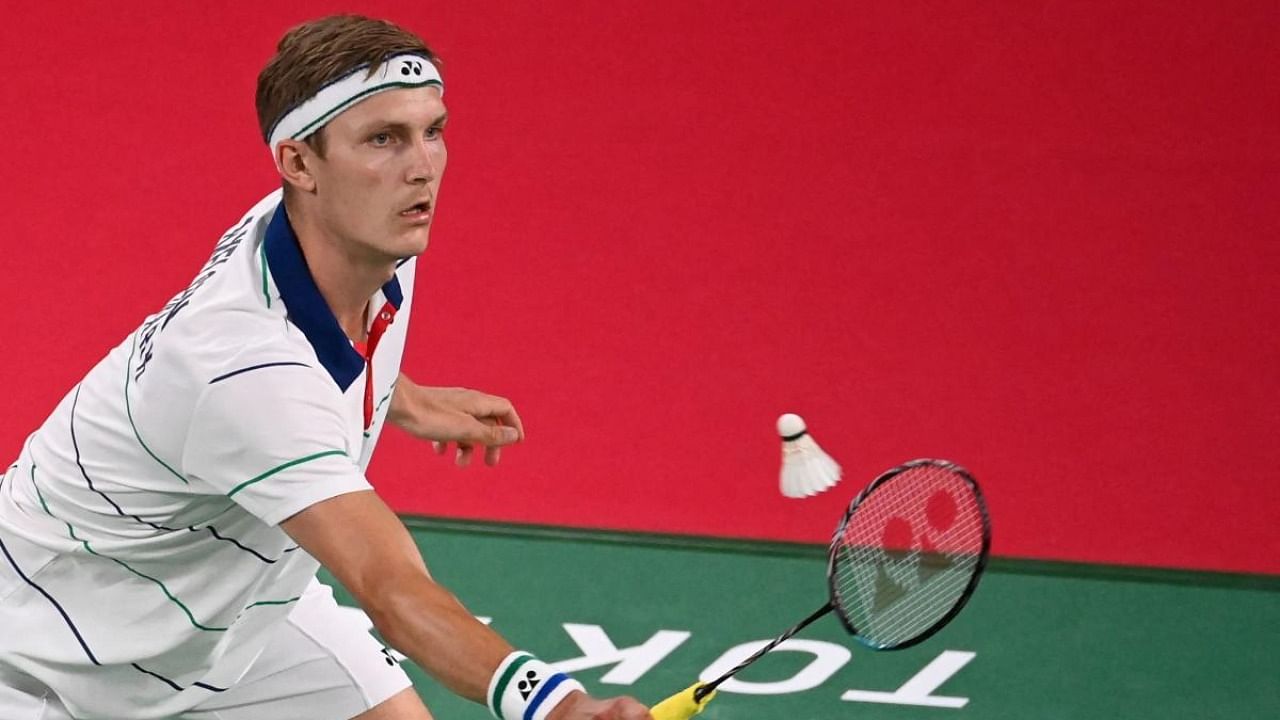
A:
{"points": [[1036, 238]]}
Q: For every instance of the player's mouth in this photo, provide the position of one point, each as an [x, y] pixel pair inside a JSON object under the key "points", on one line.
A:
{"points": [[418, 213]]}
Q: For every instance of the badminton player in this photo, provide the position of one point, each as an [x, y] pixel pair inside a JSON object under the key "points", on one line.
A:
{"points": [[161, 532]]}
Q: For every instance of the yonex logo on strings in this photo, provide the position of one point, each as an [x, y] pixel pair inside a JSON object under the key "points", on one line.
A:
{"points": [[905, 549], [411, 67], [529, 684]]}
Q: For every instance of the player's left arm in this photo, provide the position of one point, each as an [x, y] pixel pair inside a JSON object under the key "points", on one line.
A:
{"points": [[446, 415]]}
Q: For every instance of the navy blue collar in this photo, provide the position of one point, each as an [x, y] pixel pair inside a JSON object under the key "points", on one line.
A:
{"points": [[306, 306]]}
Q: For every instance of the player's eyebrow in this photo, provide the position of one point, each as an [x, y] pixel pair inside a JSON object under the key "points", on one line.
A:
{"points": [[402, 126]]}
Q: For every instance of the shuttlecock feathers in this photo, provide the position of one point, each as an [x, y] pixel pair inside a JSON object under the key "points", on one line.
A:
{"points": [[806, 469]]}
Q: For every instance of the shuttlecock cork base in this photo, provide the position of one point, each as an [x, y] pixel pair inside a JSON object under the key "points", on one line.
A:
{"points": [[806, 469]]}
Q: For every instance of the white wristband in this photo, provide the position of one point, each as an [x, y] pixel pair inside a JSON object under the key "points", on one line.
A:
{"points": [[525, 688]]}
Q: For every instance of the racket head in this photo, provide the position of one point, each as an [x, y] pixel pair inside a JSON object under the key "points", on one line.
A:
{"points": [[908, 553]]}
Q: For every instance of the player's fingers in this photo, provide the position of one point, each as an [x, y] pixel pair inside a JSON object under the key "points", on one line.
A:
{"points": [[500, 435], [463, 457], [501, 410], [512, 419], [492, 454], [486, 431], [439, 447], [626, 708]]}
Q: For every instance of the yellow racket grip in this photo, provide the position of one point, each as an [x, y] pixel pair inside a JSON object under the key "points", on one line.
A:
{"points": [[681, 706]]}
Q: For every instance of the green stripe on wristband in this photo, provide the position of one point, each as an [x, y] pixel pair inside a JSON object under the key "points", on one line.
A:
{"points": [[495, 702]]}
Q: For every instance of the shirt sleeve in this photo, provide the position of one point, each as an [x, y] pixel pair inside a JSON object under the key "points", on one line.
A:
{"points": [[273, 440]]}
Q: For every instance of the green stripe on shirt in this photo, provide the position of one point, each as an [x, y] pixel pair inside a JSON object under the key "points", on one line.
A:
{"points": [[262, 251], [128, 377], [285, 466], [89, 548]]}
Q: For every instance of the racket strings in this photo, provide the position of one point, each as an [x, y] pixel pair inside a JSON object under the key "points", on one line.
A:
{"points": [[902, 596], [908, 617], [906, 554]]}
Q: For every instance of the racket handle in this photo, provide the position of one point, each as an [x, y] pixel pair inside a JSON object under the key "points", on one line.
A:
{"points": [[681, 706]]}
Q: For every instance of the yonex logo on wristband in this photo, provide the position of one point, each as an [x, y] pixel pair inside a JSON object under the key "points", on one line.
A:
{"points": [[525, 688], [527, 685]]}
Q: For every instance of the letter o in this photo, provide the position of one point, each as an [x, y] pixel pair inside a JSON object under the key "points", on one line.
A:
{"points": [[827, 659]]}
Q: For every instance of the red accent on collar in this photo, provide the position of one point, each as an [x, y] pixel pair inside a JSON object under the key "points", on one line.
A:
{"points": [[384, 318]]}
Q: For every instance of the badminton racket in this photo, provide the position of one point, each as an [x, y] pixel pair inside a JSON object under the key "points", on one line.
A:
{"points": [[904, 560]]}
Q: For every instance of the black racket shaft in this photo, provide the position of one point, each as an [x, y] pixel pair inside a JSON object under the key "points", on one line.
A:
{"points": [[704, 690]]}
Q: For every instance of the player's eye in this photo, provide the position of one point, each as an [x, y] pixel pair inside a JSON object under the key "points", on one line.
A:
{"points": [[380, 139], [435, 131]]}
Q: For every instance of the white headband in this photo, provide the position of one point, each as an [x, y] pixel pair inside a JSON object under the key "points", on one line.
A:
{"points": [[398, 72]]}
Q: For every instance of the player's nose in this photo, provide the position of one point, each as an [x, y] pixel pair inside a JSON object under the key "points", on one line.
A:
{"points": [[425, 163]]}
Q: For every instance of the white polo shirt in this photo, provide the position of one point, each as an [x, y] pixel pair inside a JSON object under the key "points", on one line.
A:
{"points": [[145, 511]]}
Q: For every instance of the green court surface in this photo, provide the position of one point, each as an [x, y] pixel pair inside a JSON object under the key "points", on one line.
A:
{"points": [[644, 615]]}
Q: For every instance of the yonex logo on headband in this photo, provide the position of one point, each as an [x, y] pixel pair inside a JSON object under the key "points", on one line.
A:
{"points": [[398, 72]]}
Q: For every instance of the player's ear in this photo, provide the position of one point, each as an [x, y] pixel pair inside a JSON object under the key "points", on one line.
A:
{"points": [[292, 160]]}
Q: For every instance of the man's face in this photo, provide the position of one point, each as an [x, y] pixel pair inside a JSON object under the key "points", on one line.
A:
{"points": [[378, 181]]}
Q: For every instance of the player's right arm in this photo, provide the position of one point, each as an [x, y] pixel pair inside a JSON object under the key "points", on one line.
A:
{"points": [[358, 539], [273, 439], [362, 542]]}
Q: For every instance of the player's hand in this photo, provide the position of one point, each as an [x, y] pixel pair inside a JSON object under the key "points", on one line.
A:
{"points": [[466, 418], [580, 706]]}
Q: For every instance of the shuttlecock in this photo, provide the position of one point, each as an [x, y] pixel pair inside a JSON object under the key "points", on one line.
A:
{"points": [[806, 469]]}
